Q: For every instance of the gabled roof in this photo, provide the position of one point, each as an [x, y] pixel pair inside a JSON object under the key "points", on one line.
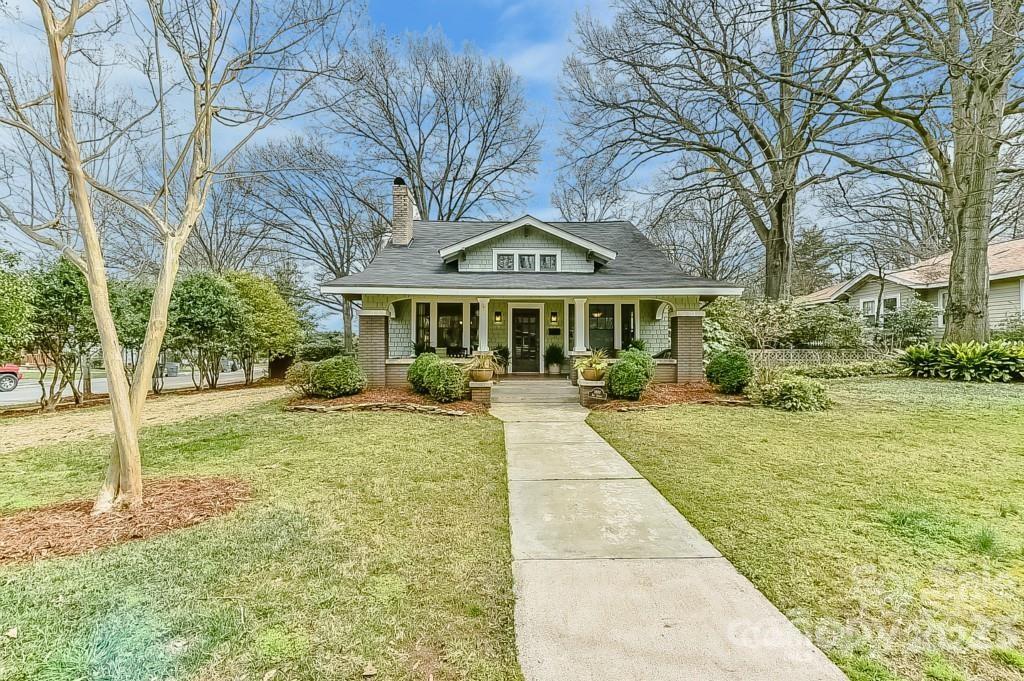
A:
{"points": [[451, 250], [639, 266], [1005, 260]]}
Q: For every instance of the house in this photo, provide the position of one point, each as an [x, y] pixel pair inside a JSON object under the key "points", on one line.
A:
{"points": [[468, 287], [929, 280]]}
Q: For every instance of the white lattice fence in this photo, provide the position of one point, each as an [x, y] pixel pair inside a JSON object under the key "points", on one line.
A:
{"points": [[813, 356]]}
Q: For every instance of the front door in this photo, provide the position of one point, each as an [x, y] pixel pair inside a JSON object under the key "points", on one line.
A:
{"points": [[525, 340]]}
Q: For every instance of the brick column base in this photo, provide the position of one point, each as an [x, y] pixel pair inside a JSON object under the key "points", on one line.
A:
{"points": [[481, 392], [373, 348], [688, 345]]}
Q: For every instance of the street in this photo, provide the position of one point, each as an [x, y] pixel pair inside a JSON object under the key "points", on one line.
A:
{"points": [[29, 391]]}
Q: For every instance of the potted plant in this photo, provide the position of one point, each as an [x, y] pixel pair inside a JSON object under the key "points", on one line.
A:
{"points": [[553, 358], [481, 368], [592, 368]]}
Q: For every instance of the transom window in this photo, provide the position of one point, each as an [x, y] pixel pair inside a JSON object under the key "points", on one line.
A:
{"points": [[527, 261]]}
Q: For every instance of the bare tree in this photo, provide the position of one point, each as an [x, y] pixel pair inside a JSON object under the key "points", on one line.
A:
{"points": [[242, 65], [315, 207], [708, 234], [676, 78], [454, 125], [938, 87], [590, 189]]}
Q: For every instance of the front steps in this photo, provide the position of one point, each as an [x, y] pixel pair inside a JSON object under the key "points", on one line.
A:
{"points": [[535, 391]]}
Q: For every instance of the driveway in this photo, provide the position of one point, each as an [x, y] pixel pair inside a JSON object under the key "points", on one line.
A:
{"points": [[611, 581]]}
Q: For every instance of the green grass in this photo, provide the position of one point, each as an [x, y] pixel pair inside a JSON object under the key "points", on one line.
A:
{"points": [[373, 539], [885, 528]]}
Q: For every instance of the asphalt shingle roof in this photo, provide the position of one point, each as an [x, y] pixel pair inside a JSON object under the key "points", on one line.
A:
{"points": [[638, 263]]}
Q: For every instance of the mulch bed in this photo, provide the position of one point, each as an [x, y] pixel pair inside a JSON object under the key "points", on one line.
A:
{"points": [[68, 528], [660, 395], [381, 399]]}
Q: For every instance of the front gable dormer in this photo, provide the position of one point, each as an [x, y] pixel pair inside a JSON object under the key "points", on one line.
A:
{"points": [[526, 245]]}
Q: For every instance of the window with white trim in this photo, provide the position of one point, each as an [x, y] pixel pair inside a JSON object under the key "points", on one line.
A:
{"points": [[941, 305], [527, 261], [890, 304], [867, 310]]}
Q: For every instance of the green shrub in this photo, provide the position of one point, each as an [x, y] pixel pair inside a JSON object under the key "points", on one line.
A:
{"points": [[337, 377], [1011, 329], [321, 345], [790, 393], [913, 323], [986, 362], [730, 371], [631, 374], [445, 381], [299, 378], [415, 374], [880, 367], [972, 361], [835, 325], [640, 357]]}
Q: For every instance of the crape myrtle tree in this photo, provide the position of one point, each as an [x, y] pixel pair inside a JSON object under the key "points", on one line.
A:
{"points": [[207, 67], [936, 97], [697, 84]]}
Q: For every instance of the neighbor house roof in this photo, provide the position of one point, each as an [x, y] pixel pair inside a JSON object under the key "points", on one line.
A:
{"points": [[419, 268], [1005, 260]]}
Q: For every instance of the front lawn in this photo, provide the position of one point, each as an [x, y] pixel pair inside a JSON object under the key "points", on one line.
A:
{"points": [[890, 529], [374, 542]]}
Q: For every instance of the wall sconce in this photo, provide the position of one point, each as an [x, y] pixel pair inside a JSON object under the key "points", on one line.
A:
{"points": [[497, 316], [554, 318]]}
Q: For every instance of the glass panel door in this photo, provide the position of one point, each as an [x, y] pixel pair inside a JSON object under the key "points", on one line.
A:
{"points": [[525, 340]]}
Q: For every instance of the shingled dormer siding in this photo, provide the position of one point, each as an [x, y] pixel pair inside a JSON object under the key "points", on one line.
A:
{"points": [[479, 258]]}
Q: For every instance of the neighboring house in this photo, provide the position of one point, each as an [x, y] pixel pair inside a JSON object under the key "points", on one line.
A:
{"points": [[929, 280], [467, 286]]}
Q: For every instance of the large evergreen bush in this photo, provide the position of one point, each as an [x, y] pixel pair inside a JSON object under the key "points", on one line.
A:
{"points": [[337, 377], [415, 374], [730, 371]]}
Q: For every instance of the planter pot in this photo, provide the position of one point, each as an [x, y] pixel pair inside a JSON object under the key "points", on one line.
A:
{"points": [[592, 374], [554, 369], [481, 375]]}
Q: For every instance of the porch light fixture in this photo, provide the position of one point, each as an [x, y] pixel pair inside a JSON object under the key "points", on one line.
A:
{"points": [[554, 317], [497, 316]]}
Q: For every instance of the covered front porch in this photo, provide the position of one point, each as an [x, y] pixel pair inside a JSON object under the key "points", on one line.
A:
{"points": [[394, 329]]}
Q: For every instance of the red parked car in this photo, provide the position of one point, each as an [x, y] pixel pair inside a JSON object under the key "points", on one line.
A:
{"points": [[10, 374]]}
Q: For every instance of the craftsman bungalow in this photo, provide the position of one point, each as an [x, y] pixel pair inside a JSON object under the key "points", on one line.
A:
{"points": [[468, 287]]}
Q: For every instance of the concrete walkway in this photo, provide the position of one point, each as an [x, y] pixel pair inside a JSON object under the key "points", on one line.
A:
{"points": [[611, 581]]}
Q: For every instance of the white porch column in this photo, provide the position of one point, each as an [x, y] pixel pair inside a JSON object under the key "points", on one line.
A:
{"points": [[485, 321], [433, 324], [466, 324], [580, 344]]}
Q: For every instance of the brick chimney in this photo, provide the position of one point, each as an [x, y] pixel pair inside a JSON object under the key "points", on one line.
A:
{"points": [[404, 212]]}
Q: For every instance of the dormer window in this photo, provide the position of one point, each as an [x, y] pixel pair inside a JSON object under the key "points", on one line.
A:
{"points": [[527, 260]]}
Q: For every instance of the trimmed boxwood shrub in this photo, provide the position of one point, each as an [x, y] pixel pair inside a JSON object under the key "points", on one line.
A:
{"points": [[790, 393], [299, 377], [445, 381], [730, 371], [415, 374], [630, 375], [337, 377]]}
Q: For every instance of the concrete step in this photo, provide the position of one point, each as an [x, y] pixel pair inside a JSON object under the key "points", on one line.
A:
{"points": [[498, 398]]}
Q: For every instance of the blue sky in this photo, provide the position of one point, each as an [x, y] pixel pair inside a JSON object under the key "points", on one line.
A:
{"points": [[532, 36]]}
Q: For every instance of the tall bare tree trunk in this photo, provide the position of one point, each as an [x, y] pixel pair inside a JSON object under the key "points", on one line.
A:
{"points": [[129, 488], [778, 248]]}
